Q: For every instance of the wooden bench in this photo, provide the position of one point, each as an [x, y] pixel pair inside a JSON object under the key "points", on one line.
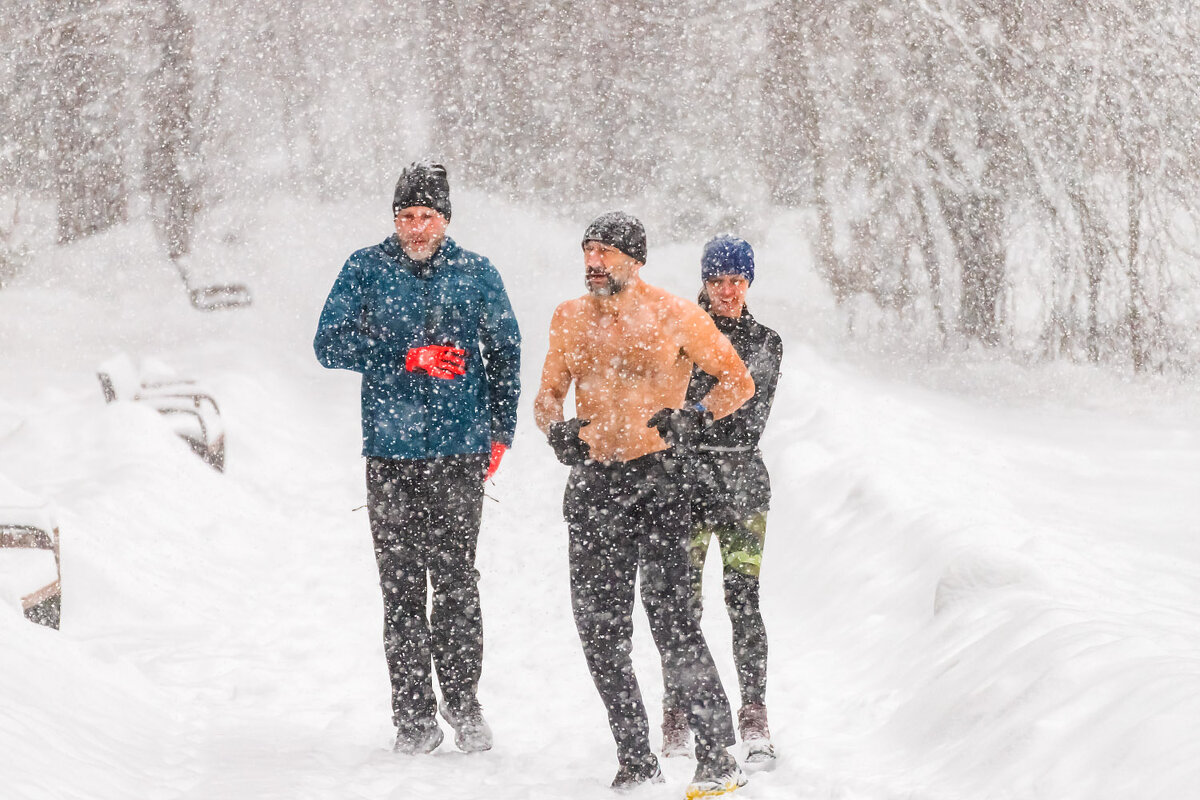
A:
{"points": [[192, 412], [27, 524]]}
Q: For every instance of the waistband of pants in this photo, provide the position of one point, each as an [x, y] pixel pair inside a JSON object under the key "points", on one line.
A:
{"points": [[647, 461]]}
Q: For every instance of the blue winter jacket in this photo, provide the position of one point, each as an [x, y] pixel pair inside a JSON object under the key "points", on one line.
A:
{"points": [[382, 304]]}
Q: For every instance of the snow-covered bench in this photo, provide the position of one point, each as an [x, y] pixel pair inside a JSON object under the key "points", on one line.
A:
{"points": [[192, 411], [30, 573]]}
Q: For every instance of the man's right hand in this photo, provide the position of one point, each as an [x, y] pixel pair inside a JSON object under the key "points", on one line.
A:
{"points": [[438, 360], [569, 449], [681, 428]]}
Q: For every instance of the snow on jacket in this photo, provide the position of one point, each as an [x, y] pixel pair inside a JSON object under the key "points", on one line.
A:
{"points": [[731, 480], [382, 304]]}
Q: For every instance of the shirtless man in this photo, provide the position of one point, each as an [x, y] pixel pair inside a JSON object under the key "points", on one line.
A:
{"points": [[629, 349]]}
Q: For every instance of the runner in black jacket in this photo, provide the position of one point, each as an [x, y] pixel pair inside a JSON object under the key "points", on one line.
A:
{"points": [[731, 493]]}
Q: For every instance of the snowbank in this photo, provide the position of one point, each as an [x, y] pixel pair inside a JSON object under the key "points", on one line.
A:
{"points": [[982, 580]]}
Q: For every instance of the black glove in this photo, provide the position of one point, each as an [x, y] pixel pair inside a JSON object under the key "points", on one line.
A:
{"points": [[569, 449], [681, 428]]}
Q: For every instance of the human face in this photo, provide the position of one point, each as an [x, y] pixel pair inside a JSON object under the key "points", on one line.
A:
{"points": [[421, 231], [727, 294], [607, 269]]}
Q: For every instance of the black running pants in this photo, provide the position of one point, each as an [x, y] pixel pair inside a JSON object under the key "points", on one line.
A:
{"points": [[425, 516], [625, 518]]}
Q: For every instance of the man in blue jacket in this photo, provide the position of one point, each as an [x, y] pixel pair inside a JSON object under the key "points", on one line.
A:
{"points": [[430, 328]]}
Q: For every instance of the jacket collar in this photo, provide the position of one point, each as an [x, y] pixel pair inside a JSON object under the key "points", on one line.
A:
{"points": [[422, 269], [725, 324]]}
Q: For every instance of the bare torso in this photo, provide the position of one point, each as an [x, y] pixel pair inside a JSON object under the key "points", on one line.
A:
{"points": [[625, 367], [628, 357]]}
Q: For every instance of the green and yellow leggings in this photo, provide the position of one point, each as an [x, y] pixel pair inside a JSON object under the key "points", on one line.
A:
{"points": [[741, 546]]}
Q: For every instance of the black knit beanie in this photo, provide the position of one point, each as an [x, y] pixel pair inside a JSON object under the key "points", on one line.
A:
{"points": [[620, 230], [423, 184]]}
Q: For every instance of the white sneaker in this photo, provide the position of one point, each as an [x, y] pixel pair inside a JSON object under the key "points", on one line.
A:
{"points": [[422, 739], [716, 777], [759, 751], [471, 731], [752, 725], [634, 776]]}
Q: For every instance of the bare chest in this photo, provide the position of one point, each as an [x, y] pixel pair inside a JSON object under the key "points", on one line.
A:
{"points": [[635, 349]]}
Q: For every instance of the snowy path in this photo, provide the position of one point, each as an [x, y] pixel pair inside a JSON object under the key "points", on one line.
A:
{"points": [[965, 599]]}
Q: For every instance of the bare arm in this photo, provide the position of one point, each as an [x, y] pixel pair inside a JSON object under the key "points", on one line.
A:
{"points": [[556, 376], [714, 354]]}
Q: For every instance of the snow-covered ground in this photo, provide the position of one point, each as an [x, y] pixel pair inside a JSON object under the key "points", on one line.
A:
{"points": [[982, 580]]}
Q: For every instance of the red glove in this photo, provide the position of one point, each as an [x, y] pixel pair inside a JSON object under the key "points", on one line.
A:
{"points": [[438, 360], [498, 451]]}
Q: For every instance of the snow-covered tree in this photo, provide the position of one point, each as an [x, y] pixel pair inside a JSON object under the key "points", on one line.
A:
{"points": [[92, 110], [1017, 173]]}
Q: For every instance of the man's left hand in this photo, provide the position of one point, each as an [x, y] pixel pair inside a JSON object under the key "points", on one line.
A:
{"points": [[498, 451], [681, 428]]}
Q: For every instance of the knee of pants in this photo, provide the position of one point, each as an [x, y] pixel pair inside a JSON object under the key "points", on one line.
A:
{"points": [[454, 579], [461, 603], [739, 586], [603, 626], [403, 583], [741, 562]]}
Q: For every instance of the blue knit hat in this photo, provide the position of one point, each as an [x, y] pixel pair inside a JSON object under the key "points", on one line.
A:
{"points": [[727, 255]]}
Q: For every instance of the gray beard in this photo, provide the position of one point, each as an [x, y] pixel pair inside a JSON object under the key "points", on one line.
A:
{"points": [[608, 289], [412, 254]]}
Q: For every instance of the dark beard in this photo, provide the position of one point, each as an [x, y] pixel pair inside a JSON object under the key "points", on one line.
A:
{"points": [[610, 287]]}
